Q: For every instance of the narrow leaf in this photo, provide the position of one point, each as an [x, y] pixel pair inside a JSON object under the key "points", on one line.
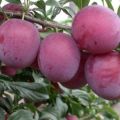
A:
{"points": [[14, 1], [118, 11], [22, 115], [109, 4]]}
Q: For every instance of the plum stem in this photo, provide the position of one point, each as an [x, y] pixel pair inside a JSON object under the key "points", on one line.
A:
{"points": [[23, 15], [38, 21]]}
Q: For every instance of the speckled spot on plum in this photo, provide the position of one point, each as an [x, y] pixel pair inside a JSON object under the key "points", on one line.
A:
{"points": [[16, 58], [5, 53], [95, 42]]}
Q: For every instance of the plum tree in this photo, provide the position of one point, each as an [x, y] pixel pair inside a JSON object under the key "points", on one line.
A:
{"points": [[96, 29], [19, 43], [103, 74], [79, 79], [10, 71], [13, 7], [71, 117], [59, 57]]}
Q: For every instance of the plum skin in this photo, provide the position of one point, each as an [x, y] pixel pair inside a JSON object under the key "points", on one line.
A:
{"points": [[79, 79], [34, 65], [71, 117], [13, 7], [59, 57], [96, 29], [103, 75], [19, 43], [10, 7], [10, 71]]}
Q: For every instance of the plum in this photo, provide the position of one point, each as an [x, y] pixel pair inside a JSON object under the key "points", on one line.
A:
{"points": [[59, 57], [96, 29], [10, 71], [34, 65], [79, 79], [103, 74], [10, 7], [71, 117], [13, 7], [19, 43]]}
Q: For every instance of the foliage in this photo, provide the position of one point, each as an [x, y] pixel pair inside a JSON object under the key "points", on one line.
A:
{"points": [[39, 100], [29, 96]]}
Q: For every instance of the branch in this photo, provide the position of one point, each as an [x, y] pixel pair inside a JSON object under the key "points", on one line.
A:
{"points": [[38, 21]]}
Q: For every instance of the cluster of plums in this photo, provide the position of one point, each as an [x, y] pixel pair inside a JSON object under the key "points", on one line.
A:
{"points": [[86, 56]]}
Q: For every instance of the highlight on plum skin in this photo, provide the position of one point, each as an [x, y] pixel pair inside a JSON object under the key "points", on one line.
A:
{"points": [[79, 79], [103, 75], [59, 57], [19, 47], [96, 29]]}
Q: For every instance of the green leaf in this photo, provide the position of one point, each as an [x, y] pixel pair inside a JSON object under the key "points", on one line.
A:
{"points": [[56, 11], [110, 112], [75, 107], [0, 1], [52, 3], [22, 115], [62, 2], [55, 112], [71, 11], [81, 3], [14, 1], [78, 3], [5, 103], [103, 1], [81, 95], [65, 10], [39, 15], [118, 11], [61, 107], [2, 114], [41, 5], [5, 77], [85, 2], [31, 91], [49, 11], [38, 78], [109, 4]]}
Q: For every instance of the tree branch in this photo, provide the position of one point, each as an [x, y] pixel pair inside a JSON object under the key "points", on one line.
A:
{"points": [[38, 21]]}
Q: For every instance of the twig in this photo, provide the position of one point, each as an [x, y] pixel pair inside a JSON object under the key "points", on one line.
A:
{"points": [[38, 21]]}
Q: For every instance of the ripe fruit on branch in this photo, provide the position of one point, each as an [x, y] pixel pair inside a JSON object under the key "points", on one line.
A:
{"points": [[96, 29], [59, 57], [71, 117], [79, 79], [19, 43], [103, 74], [13, 7], [10, 71]]}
